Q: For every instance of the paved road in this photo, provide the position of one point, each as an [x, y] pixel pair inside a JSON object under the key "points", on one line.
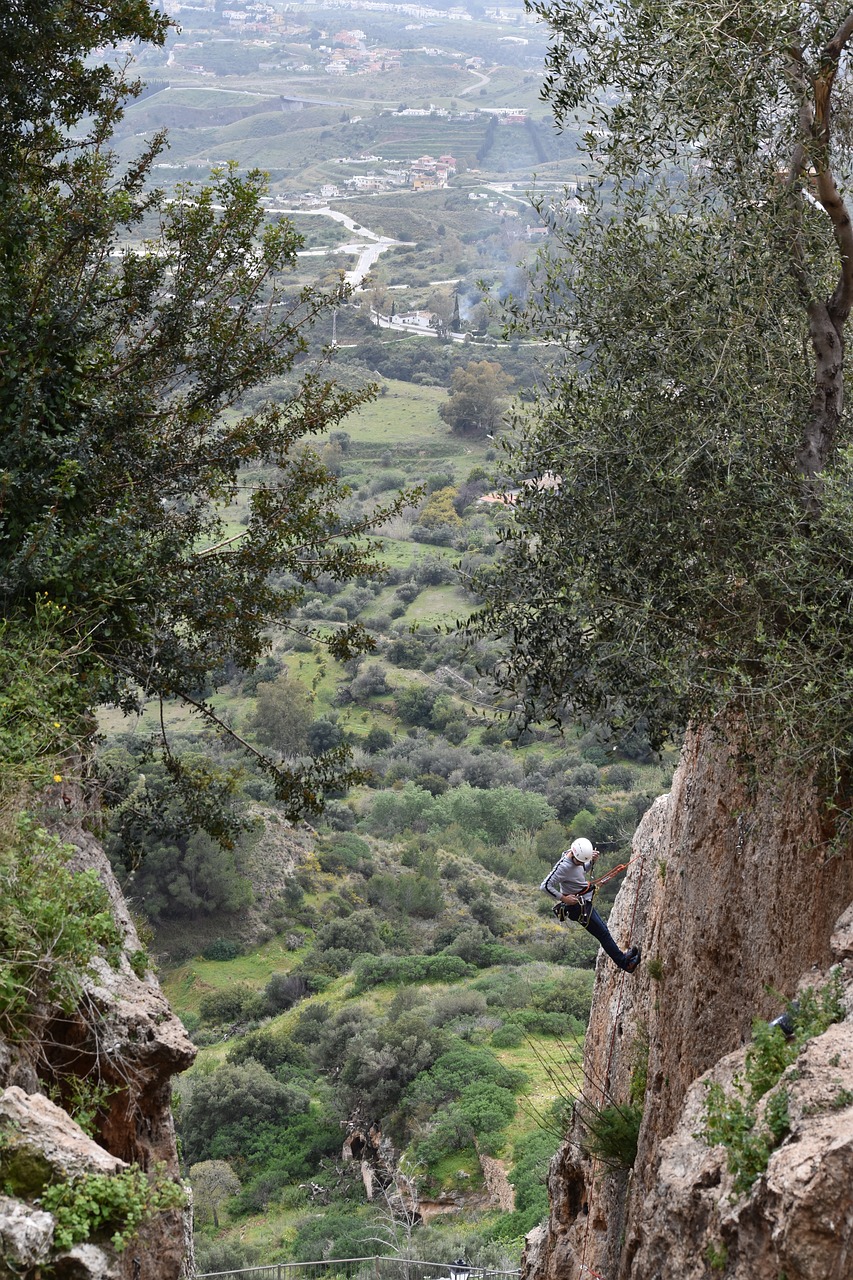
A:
{"points": [[367, 253]]}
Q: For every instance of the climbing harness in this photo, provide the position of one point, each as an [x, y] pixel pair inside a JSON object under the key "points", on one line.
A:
{"points": [[562, 911]]}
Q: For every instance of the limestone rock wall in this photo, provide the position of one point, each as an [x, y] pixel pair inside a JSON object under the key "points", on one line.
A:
{"points": [[124, 1035], [735, 903]]}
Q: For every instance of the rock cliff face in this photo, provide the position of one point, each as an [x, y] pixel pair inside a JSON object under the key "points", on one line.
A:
{"points": [[123, 1034], [738, 902]]}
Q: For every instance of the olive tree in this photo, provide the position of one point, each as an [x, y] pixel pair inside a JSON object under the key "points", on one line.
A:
{"points": [[131, 327], [691, 546]]}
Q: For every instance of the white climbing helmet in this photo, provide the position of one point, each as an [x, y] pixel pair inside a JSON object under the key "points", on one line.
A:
{"points": [[582, 850]]}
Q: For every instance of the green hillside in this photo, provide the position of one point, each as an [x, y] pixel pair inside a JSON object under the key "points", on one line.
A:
{"points": [[395, 963]]}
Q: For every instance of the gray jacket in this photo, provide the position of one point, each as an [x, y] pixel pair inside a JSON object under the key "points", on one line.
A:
{"points": [[567, 877]]}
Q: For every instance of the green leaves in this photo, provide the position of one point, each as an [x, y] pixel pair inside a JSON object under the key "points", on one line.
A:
{"points": [[695, 553], [52, 924], [131, 328], [108, 1204], [734, 1119]]}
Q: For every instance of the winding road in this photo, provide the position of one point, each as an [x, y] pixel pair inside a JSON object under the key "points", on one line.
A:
{"points": [[367, 252]]}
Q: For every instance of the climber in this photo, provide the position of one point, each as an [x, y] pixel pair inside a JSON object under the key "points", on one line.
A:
{"points": [[569, 883]]}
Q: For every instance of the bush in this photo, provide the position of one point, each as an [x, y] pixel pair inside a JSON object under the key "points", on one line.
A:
{"points": [[732, 1120], [571, 993], [274, 1050], [509, 1036], [619, 775], [53, 922], [377, 739], [354, 935], [222, 949], [612, 1133], [323, 735], [221, 1109], [283, 991], [346, 852], [373, 971], [225, 1006], [266, 672], [414, 704]]}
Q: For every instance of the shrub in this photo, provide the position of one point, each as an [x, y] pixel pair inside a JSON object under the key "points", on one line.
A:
{"points": [[283, 991], [354, 935], [373, 971], [53, 922], [227, 1005], [571, 993], [612, 1133], [323, 735], [619, 775], [733, 1120], [221, 1109], [222, 949], [347, 852], [117, 1204], [509, 1036], [266, 672], [377, 739]]}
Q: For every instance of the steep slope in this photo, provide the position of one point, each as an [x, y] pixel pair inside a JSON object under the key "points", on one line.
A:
{"points": [[735, 902], [122, 1037]]}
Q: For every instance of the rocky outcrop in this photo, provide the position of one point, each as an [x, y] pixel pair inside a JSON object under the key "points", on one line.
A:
{"points": [[735, 902], [378, 1161], [124, 1038]]}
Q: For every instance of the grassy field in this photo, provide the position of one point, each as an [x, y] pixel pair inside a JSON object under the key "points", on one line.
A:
{"points": [[188, 982]]}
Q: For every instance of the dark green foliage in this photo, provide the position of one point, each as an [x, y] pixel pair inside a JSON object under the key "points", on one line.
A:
{"points": [[373, 971], [284, 1153], [283, 714], [123, 438], [356, 934], [377, 739], [570, 994], [283, 990], [491, 815], [611, 1133], [466, 1096], [696, 554], [414, 704], [222, 949], [222, 1108], [531, 1155], [453, 1073], [266, 672], [272, 1049], [222, 1255], [225, 1006], [323, 735], [415, 895], [43, 708], [175, 831], [336, 1234], [344, 853]]}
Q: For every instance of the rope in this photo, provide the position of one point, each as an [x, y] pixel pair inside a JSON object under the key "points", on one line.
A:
{"points": [[615, 871], [602, 1087]]}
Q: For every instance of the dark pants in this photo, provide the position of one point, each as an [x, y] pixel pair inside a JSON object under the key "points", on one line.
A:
{"points": [[601, 933]]}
